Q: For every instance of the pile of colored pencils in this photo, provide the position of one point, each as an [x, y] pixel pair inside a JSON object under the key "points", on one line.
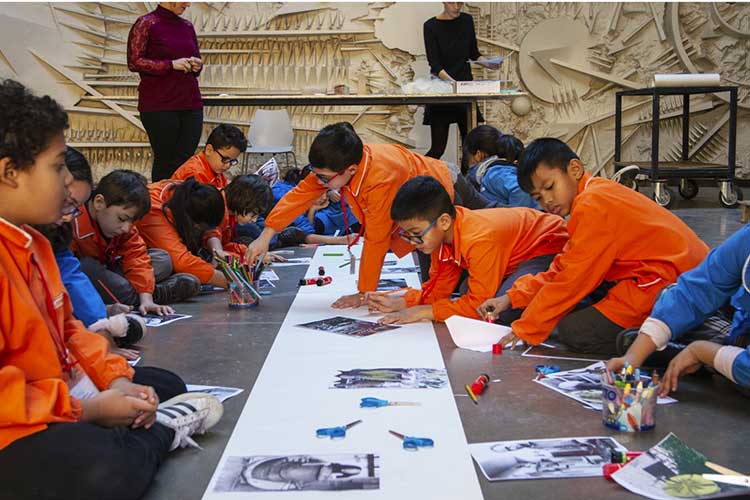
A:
{"points": [[241, 276]]}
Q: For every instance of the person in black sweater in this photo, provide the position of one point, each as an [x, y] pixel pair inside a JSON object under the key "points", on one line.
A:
{"points": [[450, 42]]}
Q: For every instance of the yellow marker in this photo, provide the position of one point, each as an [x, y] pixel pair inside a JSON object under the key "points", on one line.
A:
{"points": [[471, 394], [627, 389]]}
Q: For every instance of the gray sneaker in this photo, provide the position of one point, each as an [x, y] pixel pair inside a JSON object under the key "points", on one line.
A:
{"points": [[177, 288], [187, 414]]}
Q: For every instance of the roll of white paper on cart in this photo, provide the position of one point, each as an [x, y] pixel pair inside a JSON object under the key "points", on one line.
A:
{"points": [[687, 80]]}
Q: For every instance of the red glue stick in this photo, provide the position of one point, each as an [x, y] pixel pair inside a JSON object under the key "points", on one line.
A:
{"points": [[480, 384]]}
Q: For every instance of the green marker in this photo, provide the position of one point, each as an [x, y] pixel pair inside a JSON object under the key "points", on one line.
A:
{"points": [[333, 255]]}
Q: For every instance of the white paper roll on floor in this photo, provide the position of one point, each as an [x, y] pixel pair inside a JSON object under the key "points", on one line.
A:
{"points": [[687, 80]]}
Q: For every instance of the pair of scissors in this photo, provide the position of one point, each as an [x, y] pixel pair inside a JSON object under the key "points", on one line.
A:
{"points": [[336, 432], [729, 479], [379, 403], [413, 443], [544, 370]]}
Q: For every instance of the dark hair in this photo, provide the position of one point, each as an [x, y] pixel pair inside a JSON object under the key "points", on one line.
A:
{"points": [[225, 136], [27, 123], [78, 166], [548, 150], [295, 175], [335, 147], [249, 194], [60, 236], [491, 142], [193, 204], [125, 188], [423, 198]]}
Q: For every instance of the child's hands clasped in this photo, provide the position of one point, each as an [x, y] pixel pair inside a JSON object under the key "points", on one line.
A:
{"points": [[124, 403]]}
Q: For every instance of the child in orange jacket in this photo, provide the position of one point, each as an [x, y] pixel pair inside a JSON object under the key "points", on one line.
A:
{"points": [[368, 177], [495, 246], [616, 235], [68, 406], [114, 256], [181, 214], [224, 144]]}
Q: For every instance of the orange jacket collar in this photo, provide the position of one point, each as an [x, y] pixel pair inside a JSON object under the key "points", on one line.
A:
{"points": [[584, 182], [84, 225], [355, 183], [15, 234], [453, 251]]}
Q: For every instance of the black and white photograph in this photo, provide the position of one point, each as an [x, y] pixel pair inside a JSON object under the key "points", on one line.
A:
{"points": [[155, 321], [348, 326], [399, 270], [390, 284], [585, 385], [391, 378], [544, 458], [221, 393], [299, 473]]}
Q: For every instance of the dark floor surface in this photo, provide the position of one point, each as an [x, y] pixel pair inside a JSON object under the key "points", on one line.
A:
{"points": [[223, 347]]}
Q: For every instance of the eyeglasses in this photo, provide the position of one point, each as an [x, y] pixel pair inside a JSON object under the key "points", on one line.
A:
{"points": [[227, 161], [415, 239], [326, 180]]}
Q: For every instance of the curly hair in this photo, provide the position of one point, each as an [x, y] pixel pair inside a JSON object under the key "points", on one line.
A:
{"points": [[27, 123], [249, 194]]}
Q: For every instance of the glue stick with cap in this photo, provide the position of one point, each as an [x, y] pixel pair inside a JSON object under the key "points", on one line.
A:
{"points": [[480, 384], [323, 280]]}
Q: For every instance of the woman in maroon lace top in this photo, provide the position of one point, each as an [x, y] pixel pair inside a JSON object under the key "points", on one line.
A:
{"points": [[163, 50]]}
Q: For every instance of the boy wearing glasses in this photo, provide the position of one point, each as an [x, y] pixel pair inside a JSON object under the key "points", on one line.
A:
{"points": [[223, 146], [495, 246], [368, 177]]}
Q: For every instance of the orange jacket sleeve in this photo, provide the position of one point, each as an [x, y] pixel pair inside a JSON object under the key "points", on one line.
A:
{"points": [[580, 269], [92, 352], [157, 232], [136, 263], [486, 271], [526, 287], [295, 202]]}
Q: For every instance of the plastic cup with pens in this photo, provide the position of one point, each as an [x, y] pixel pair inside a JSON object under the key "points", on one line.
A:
{"points": [[629, 401], [242, 295]]}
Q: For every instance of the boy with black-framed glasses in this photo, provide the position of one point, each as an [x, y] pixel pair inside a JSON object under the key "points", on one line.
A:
{"points": [[494, 245]]}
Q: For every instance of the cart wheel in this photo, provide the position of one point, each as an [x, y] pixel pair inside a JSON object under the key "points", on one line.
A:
{"points": [[732, 202], [666, 199], [688, 189]]}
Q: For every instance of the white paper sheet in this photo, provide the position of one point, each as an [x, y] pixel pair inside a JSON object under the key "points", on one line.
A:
{"points": [[269, 274], [468, 333], [296, 261], [291, 399]]}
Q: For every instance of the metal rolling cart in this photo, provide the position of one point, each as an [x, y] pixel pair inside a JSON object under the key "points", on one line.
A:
{"points": [[661, 172]]}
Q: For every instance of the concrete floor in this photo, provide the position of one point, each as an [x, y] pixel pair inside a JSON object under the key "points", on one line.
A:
{"points": [[223, 347]]}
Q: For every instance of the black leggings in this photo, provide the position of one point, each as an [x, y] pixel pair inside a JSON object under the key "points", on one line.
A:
{"points": [[439, 135], [174, 137], [87, 461]]}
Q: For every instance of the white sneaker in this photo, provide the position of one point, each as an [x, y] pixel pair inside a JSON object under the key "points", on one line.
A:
{"points": [[188, 414]]}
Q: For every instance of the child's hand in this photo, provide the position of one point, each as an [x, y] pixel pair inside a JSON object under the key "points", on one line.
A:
{"points": [[499, 304], [113, 408], [377, 302], [129, 354], [616, 364], [221, 253], [409, 315], [147, 307], [347, 301], [334, 196], [273, 257], [511, 338], [114, 309], [685, 362]]}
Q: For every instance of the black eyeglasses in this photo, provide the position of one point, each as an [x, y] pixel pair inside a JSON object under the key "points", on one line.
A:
{"points": [[415, 239], [227, 161], [325, 180]]}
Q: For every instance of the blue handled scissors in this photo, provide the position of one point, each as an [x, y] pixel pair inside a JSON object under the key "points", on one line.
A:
{"points": [[379, 403], [336, 432], [413, 443], [544, 370]]}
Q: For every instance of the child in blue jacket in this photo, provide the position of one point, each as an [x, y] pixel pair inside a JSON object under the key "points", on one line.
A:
{"points": [[698, 294], [489, 159]]}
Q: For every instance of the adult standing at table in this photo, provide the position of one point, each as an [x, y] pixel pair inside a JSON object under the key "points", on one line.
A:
{"points": [[163, 50], [450, 42]]}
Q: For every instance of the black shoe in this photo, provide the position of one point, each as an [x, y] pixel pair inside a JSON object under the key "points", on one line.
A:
{"points": [[290, 237], [176, 288], [625, 339], [136, 329]]}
